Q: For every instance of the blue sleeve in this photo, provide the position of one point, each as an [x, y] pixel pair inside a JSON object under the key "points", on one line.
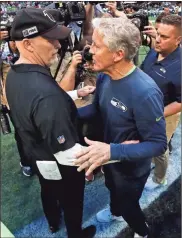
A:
{"points": [[87, 112], [90, 111], [142, 65], [150, 122], [176, 82]]}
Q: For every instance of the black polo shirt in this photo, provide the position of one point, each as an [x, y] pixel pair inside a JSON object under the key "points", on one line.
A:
{"points": [[43, 114], [166, 73]]}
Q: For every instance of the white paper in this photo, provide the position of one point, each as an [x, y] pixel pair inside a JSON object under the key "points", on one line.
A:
{"points": [[49, 170], [67, 157]]}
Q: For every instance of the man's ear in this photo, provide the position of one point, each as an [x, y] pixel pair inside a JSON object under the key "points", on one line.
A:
{"points": [[118, 55], [27, 45], [179, 40]]}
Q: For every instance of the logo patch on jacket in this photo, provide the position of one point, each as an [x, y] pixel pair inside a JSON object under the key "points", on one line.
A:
{"points": [[116, 103], [61, 139]]}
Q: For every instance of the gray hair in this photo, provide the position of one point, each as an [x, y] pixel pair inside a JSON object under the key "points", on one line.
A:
{"points": [[119, 34]]}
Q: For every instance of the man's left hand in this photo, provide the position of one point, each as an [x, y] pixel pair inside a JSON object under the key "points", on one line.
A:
{"points": [[96, 154]]}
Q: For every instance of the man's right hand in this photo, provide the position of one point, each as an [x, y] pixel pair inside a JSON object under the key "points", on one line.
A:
{"points": [[76, 59], [3, 35]]}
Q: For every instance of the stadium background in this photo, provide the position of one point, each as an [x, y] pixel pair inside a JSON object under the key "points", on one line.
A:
{"points": [[20, 196]]}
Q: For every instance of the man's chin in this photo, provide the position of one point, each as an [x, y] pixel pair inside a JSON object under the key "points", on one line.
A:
{"points": [[96, 69], [157, 49], [54, 61]]}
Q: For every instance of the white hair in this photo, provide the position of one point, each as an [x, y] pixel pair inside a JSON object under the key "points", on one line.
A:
{"points": [[119, 34]]}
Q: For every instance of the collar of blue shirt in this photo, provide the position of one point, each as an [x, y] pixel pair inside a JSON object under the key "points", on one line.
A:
{"points": [[174, 55]]}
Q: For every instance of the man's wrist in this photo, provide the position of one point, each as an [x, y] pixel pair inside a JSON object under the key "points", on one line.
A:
{"points": [[78, 96], [72, 68], [73, 94]]}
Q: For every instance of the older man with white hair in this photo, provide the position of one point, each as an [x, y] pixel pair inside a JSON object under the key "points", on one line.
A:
{"points": [[131, 107]]}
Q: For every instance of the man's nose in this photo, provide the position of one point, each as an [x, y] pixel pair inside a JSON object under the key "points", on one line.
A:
{"points": [[158, 38], [57, 45], [91, 50]]}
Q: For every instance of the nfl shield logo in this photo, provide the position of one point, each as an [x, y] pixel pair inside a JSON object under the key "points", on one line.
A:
{"points": [[61, 139]]}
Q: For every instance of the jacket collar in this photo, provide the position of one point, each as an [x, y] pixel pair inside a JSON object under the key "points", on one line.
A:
{"points": [[22, 68], [172, 56]]}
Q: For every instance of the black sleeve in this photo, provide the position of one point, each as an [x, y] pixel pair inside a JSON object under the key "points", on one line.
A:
{"points": [[52, 117]]}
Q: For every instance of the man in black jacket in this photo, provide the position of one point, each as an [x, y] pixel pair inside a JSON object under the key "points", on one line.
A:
{"points": [[46, 118]]}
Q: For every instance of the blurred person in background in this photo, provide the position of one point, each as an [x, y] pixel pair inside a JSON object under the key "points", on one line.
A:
{"points": [[3, 35], [66, 76], [163, 65], [9, 55], [151, 30], [178, 10]]}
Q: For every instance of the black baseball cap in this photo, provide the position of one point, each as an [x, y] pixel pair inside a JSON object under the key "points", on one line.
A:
{"points": [[56, 14], [32, 22]]}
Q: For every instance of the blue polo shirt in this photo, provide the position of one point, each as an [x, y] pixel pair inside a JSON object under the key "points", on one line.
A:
{"points": [[131, 109], [166, 73]]}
